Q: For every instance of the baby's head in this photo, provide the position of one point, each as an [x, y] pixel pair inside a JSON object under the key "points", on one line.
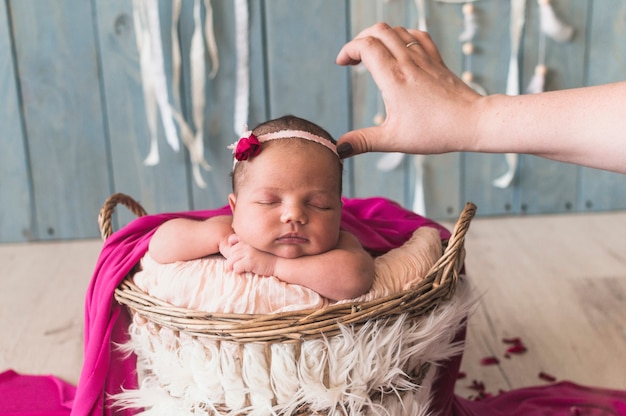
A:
{"points": [[286, 131], [286, 196]]}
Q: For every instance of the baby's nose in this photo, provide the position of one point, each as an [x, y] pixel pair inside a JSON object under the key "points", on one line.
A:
{"points": [[294, 213]]}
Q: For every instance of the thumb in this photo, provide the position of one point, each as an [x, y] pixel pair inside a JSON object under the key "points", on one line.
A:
{"points": [[233, 239], [359, 141]]}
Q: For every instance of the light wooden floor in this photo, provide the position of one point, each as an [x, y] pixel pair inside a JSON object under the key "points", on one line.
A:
{"points": [[556, 282]]}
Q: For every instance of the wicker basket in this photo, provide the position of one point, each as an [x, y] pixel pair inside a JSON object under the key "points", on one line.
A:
{"points": [[437, 287]]}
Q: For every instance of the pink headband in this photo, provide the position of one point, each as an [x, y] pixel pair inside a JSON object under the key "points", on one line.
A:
{"points": [[249, 145]]}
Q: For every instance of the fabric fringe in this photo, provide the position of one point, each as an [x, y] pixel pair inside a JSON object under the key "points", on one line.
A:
{"points": [[385, 367]]}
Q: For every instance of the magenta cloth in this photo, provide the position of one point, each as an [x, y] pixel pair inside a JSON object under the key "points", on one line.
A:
{"points": [[380, 224], [26, 395], [559, 399]]}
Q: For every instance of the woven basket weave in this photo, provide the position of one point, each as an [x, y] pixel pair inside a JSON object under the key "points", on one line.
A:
{"points": [[438, 285]]}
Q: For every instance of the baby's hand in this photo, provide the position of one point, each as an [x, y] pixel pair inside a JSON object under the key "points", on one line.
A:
{"points": [[227, 243], [242, 258]]}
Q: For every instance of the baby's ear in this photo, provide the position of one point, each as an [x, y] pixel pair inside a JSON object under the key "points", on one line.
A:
{"points": [[232, 201]]}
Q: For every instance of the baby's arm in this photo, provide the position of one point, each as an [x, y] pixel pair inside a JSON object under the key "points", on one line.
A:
{"points": [[342, 273], [183, 239]]}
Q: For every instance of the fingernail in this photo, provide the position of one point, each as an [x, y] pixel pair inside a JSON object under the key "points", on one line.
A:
{"points": [[344, 150]]}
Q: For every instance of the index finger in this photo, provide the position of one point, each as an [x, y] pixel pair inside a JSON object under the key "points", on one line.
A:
{"points": [[369, 40], [363, 49]]}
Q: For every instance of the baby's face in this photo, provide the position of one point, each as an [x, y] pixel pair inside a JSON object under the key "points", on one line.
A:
{"points": [[288, 202]]}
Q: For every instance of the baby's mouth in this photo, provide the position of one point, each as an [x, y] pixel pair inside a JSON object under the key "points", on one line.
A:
{"points": [[292, 238]]}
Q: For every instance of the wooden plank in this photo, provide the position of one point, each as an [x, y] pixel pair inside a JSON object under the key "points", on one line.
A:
{"points": [[159, 188], [600, 190], [302, 77], [607, 52], [259, 110], [443, 174], [489, 65], [57, 60], [16, 208], [547, 186]]}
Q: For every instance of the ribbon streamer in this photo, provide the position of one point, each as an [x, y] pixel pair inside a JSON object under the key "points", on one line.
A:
{"points": [[242, 88], [154, 82], [209, 34], [176, 58], [194, 141], [148, 35], [142, 37], [518, 9]]}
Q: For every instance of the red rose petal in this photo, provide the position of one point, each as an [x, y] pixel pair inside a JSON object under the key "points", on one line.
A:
{"points": [[477, 386], [489, 361], [516, 349], [547, 377]]}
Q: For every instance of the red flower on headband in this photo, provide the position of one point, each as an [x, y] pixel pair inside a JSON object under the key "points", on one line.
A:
{"points": [[247, 147]]}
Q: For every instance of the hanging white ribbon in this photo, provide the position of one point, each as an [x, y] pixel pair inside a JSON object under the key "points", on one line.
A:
{"points": [[154, 82], [157, 69], [518, 19], [148, 33], [195, 140], [242, 88], [419, 197], [142, 37], [421, 15], [176, 59], [209, 34]]}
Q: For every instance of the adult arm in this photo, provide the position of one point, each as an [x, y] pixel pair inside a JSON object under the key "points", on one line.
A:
{"points": [[431, 110]]}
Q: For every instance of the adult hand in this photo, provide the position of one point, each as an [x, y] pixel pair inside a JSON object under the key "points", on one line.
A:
{"points": [[428, 108]]}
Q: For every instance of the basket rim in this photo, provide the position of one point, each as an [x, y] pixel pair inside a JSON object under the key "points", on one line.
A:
{"points": [[438, 285]]}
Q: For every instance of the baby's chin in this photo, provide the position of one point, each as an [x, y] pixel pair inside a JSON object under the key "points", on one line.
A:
{"points": [[289, 252], [293, 251]]}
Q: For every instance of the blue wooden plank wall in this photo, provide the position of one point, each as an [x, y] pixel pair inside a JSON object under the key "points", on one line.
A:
{"points": [[73, 123]]}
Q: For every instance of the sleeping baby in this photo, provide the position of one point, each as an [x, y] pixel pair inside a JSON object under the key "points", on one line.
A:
{"points": [[286, 214]]}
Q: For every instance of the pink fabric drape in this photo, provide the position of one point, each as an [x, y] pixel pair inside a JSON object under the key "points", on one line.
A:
{"points": [[380, 225]]}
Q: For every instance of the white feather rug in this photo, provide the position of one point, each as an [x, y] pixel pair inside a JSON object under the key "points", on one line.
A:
{"points": [[386, 367]]}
